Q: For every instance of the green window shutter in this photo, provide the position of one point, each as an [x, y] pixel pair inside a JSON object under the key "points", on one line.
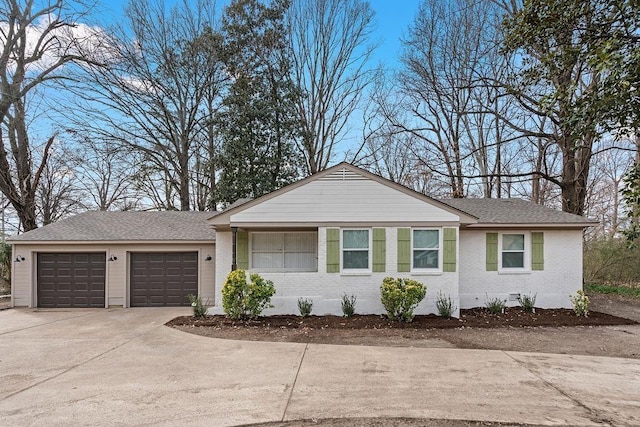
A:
{"points": [[242, 250], [537, 250], [404, 250], [492, 251], [379, 250], [449, 249], [333, 250]]}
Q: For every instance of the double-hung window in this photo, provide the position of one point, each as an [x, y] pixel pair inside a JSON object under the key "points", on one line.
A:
{"points": [[513, 251], [356, 250], [284, 251], [426, 244]]}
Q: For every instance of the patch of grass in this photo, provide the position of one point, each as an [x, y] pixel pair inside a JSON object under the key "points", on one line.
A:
{"points": [[613, 289]]}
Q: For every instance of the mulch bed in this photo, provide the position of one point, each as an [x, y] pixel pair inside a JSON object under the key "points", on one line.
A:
{"points": [[471, 318]]}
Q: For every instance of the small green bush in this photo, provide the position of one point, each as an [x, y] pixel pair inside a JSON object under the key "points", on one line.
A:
{"points": [[199, 308], [528, 303], [445, 305], [246, 300], [400, 297], [348, 305], [305, 306], [495, 305], [580, 303]]}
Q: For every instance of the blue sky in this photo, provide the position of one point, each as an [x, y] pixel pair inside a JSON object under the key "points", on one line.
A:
{"points": [[392, 19]]}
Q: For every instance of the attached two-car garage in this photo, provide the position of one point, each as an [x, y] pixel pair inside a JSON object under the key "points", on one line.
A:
{"points": [[157, 279], [116, 259]]}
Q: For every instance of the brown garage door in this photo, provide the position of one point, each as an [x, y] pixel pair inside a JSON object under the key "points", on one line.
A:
{"points": [[163, 279], [71, 279]]}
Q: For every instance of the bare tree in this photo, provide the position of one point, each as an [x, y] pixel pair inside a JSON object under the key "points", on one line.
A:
{"points": [[105, 176], [38, 39], [449, 48], [329, 52], [612, 159], [155, 97], [385, 150], [57, 195]]}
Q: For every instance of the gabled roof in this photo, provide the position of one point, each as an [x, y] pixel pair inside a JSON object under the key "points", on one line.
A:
{"points": [[125, 226], [517, 212], [223, 218]]}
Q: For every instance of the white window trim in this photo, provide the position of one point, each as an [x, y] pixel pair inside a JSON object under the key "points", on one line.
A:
{"points": [[527, 253], [367, 270], [282, 270], [440, 253]]}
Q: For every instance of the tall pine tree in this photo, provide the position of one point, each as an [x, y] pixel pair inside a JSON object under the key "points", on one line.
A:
{"points": [[257, 124]]}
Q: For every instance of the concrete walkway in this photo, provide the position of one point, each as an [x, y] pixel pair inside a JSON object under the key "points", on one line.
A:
{"points": [[124, 367]]}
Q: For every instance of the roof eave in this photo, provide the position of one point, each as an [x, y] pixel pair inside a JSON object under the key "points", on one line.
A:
{"points": [[564, 225], [110, 242]]}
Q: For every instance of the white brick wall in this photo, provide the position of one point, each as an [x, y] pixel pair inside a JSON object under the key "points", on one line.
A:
{"points": [[562, 273], [326, 289]]}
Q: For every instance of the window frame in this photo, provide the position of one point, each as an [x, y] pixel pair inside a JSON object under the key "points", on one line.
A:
{"points": [[437, 269], [283, 252], [526, 257], [369, 250]]}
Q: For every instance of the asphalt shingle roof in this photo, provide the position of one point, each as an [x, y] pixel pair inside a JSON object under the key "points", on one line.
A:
{"points": [[514, 211], [192, 226], [125, 226]]}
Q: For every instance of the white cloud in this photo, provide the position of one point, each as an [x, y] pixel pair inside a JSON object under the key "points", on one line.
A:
{"points": [[50, 41]]}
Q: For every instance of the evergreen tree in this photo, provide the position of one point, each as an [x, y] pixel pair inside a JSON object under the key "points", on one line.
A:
{"points": [[257, 123]]}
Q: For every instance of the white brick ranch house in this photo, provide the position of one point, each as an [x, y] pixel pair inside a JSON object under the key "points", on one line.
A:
{"points": [[339, 231]]}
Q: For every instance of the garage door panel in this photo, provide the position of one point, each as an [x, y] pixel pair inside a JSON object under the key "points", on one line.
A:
{"points": [[71, 279], [163, 278]]}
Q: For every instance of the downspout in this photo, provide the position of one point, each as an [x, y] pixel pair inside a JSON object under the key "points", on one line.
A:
{"points": [[234, 239]]}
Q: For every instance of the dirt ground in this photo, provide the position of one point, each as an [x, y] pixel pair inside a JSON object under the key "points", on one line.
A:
{"points": [[610, 330], [385, 422]]}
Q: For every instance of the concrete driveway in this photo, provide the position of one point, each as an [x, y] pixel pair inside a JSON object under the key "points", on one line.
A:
{"points": [[122, 366]]}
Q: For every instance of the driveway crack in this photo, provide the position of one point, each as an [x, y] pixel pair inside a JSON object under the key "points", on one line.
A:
{"points": [[44, 324], [66, 370], [293, 386], [593, 414]]}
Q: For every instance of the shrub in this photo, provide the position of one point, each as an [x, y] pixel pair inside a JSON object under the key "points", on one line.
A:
{"points": [[445, 305], [348, 305], [246, 300], [528, 303], [199, 308], [305, 306], [610, 261], [580, 303], [400, 297], [5, 262], [495, 305]]}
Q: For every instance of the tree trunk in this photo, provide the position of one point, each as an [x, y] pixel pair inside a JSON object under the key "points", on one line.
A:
{"points": [[185, 202], [576, 161], [536, 193], [27, 214]]}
